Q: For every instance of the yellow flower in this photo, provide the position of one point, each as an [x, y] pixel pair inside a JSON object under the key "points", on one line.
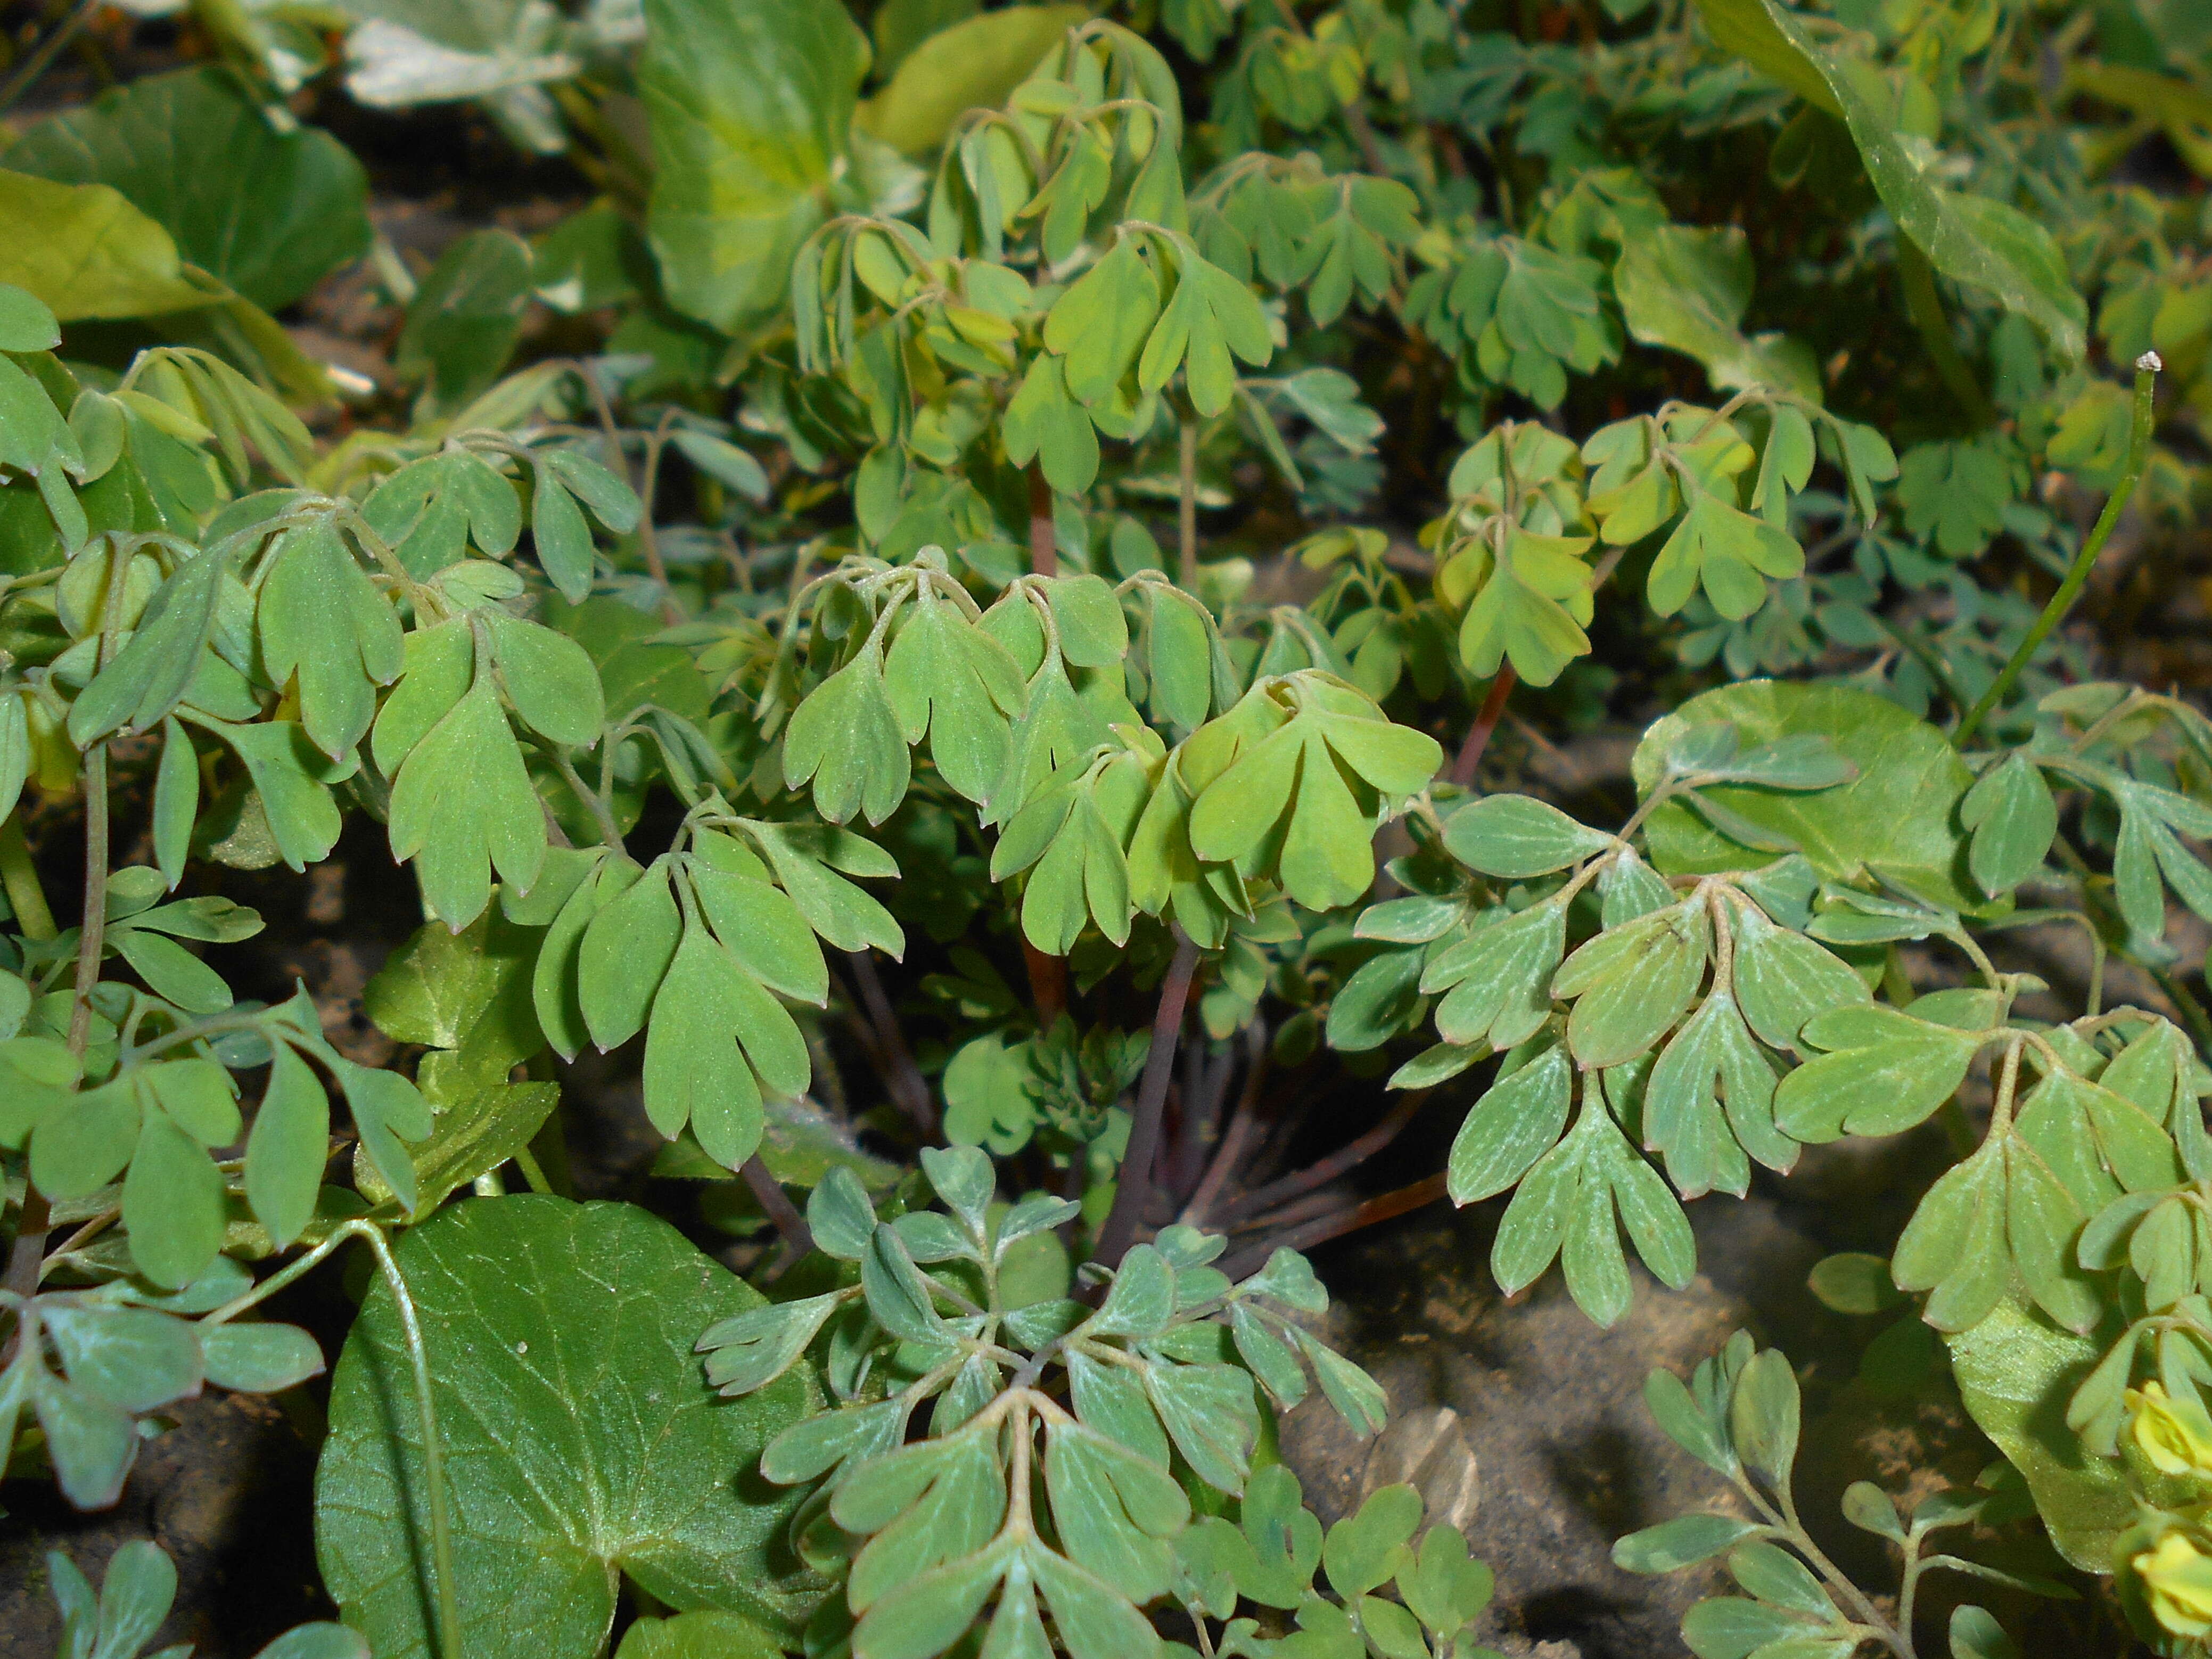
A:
{"points": [[2177, 1579], [2175, 1436]]}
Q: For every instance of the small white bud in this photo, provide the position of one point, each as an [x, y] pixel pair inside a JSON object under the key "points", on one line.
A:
{"points": [[2150, 362]]}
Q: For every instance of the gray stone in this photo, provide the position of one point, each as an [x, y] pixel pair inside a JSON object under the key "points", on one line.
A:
{"points": [[1524, 1424]]}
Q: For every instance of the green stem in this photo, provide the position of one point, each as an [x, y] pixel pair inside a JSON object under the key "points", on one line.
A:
{"points": [[426, 1409], [2146, 368], [1186, 506], [1900, 1642], [92, 930], [526, 1162], [1926, 306], [648, 542], [602, 816], [46, 51], [21, 878]]}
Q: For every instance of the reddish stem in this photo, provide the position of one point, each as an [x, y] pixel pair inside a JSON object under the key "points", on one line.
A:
{"points": [[909, 1088], [798, 1236], [1244, 1125], [1382, 1207], [1047, 984], [1044, 541], [1135, 1188], [1478, 736], [1347, 1157]]}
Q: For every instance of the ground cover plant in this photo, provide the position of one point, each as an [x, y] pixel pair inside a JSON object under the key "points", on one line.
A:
{"points": [[969, 626]]}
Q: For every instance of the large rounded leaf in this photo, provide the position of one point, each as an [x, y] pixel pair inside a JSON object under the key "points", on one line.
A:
{"points": [[269, 211], [1897, 819], [2017, 1371], [749, 103], [580, 1435]]}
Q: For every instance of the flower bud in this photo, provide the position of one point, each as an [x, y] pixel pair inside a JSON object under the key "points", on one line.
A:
{"points": [[2177, 1581], [2176, 1436]]}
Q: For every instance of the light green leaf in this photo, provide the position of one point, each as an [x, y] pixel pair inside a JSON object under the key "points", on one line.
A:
{"points": [[84, 250], [1100, 325], [322, 619], [267, 209], [1743, 27], [749, 102], [1687, 289], [172, 1204], [1884, 1072], [550, 679], [2013, 820], [971, 64], [463, 805], [2016, 1371], [627, 944], [846, 738], [1518, 1119], [1682, 1542], [1518, 837], [695, 1071], [1896, 820], [250, 1357], [26, 324], [952, 680], [708, 1633]]}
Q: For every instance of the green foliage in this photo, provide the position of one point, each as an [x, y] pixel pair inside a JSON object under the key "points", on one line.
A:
{"points": [[599, 1419], [304, 215], [991, 586], [1739, 1415], [117, 1620]]}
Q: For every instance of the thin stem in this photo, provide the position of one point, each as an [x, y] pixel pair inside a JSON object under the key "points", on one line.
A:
{"points": [[433, 1457], [1909, 1585], [532, 1171], [92, 930], [46, 51], [1186, 505], [1988, 970], [19, 877], [648, 543], [2146, 368], [28, 1251], [1900, 1644], [798, 1238], [1350, 1156], [609, 427], [1047, 984], [1134, 1188], [1486, 722], [1383, 1207], [2008, 1084], [602, 816], [1921, 299], [1205, 1087], [1044, 539], [1243, 1124], [903, 1077]]}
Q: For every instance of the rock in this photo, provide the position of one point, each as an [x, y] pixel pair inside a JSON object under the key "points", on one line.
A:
{"points": [[226, 1492], [1525, 1423]]}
